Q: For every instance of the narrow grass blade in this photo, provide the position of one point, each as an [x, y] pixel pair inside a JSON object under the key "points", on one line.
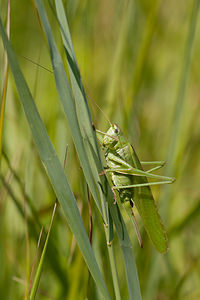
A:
{"points": [[67, 102], [141, 58], [175, 143], [81, 104], [125, 244], [85, 122], [34, 260], [39, 269], [3, 98], [53, 166], [83, 113], [82, 109], [52, 250], [27, 249], [114, 70], [178, 117]]}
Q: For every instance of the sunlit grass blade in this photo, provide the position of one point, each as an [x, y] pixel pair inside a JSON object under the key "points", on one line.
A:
{"points": [[81, 104], [52, 251], [126, 247], [27, 248], [141, 59], [67, 102], [39, 268], [3, 97], [53, 166], [34, 261], [174, 154], [82, 109], [116, 64], [126, 58], [175, 142], [84, 118]]}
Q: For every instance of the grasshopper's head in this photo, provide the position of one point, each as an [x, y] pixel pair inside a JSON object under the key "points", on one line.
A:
{"points": [[111, 137]]}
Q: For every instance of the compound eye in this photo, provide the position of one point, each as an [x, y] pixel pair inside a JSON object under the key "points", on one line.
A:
{"points": [[116, 130]]}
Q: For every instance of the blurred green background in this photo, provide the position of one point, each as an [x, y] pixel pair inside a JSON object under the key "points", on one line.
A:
{"points": [[132, 57]]}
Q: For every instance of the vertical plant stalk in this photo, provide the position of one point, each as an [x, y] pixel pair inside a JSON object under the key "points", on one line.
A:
{"points": [[27, 249], [174, 144], [118, 58], [140, 61], [3, 98], [87, 131], [178, 117], [52, 164], [34, 261], [39, 269], [113, 267], [92, 150]]}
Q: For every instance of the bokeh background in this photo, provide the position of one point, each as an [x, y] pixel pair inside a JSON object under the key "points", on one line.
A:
{"points": [[139, 61]]}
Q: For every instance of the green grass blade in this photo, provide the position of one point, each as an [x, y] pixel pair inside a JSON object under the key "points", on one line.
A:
{"points": [[81, 104], [3, 97], [39, 268], [175, 143], [132, 277], [175, 152], [53, 166], [52, 251], [83, 114], [141, 58], [84, 119], [67, 101], [127, 251], [114, 70], [123, 53]]}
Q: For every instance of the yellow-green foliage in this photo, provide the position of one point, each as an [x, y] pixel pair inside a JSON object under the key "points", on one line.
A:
{"points": [[139, 61]]}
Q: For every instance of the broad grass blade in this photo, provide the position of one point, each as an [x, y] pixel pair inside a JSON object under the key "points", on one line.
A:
{"points": [[82, 109], [68, 102], [53, 167], [91, 146]]}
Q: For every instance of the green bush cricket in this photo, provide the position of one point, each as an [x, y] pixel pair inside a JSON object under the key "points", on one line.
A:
{"points": [[128, 178]]}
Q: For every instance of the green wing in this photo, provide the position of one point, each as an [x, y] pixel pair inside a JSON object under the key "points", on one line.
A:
{"points": [[148, 210]]}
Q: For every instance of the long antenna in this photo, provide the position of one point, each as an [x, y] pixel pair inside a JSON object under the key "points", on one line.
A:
{"points": [[41, 66], [35, 63], [106, 117]]}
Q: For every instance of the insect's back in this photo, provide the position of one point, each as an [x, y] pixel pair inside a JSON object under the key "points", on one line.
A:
{"points": [[148, 210], [116, 143], [120, 179], [141, 196]]}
